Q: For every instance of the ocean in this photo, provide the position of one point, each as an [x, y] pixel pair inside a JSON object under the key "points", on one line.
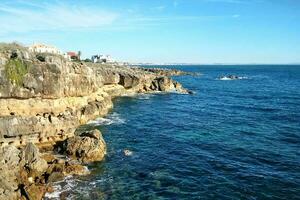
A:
{"points": [[236, 139]]}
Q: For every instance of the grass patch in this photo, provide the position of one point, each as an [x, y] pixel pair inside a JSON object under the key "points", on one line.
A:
{"points": [[15, 70], [11, 46]]}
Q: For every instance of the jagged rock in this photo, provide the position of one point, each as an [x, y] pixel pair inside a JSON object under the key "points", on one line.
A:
{"points": [[35, 192], [9, 172], [68, 92], [128, 80], [167, 72], [46, 100], [32, 159], [87, 147]]}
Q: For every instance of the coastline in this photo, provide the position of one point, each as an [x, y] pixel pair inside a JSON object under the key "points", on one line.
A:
{"points": [[42, 108]]}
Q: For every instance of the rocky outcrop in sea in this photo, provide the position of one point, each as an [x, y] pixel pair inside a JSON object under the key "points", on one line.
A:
{"points": [[43, 100]]}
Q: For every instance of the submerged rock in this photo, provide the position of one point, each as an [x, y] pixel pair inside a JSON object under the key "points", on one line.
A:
{"points": [[230, 77]]}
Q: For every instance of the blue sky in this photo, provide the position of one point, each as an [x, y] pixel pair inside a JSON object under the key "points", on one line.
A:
{"points": [[190, 31]]}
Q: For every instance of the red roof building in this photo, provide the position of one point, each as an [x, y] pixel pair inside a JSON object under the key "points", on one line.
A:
{"points": [[72, 53]]}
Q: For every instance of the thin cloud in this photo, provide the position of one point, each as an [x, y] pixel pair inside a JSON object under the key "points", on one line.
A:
{"points": [[52, 17], [159, 8], [235, 1], [227, 1], [175, 4], [184, 18]]}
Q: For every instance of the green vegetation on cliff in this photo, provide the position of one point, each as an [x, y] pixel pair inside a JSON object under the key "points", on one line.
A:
{"points": [[15, 70], [11, 46]]}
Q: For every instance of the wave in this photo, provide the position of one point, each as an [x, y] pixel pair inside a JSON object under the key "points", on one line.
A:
{"points": [[64, 186], [70, 187], [113, 118], [144, 96], [230, 79]]}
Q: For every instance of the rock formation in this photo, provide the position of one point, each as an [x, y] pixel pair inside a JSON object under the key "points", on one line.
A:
{"points": [[43, 99], [87, 147]]}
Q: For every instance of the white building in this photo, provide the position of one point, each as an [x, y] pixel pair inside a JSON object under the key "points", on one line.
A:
{"points": [[42, 48], [102, 59]]}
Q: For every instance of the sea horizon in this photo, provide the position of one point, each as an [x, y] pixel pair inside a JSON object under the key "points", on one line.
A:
{"points": [[150, 100], [213, 64]]}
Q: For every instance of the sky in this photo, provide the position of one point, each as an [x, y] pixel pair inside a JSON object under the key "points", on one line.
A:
{"points": [[160, 31]]}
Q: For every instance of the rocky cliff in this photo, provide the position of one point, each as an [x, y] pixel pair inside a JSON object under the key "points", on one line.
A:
{"points": [[43, 99]]}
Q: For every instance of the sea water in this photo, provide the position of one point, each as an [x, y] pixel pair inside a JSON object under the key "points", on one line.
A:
{"points": [[236, 139]]}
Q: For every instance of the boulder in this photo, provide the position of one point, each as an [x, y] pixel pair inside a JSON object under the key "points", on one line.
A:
{"points": [[35, 192], [76, 169], [33, 159], [87, 147], [128, 80]]}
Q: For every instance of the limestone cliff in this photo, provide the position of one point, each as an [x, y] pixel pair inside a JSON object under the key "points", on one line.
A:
{"points": [[44, 98]]}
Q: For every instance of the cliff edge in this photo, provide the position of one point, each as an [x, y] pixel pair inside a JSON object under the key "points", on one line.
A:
{"points": [[43, 99]]}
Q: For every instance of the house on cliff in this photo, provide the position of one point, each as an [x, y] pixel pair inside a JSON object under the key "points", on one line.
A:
{"points": [[102, 59], [71, 55]]}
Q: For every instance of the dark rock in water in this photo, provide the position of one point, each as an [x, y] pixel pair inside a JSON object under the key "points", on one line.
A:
{"points": [[233, 77], [229, 77], [127, 152], [190, 92], [142, 175]]}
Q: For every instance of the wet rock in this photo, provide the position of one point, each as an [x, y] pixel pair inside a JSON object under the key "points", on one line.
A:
{"points": [[127, 152], [76, 170]]}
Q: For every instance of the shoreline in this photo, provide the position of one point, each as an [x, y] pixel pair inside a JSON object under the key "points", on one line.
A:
{"points": [[40, 115]]}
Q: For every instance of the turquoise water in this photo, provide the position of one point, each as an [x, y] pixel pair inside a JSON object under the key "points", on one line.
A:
{"points": [[230, 140]]}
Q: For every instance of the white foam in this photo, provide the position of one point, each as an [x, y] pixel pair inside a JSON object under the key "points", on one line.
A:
{"points": [[244, 77], [225, 79], [62, 186], [144, 96], [113, 118], [72, 187], [141, 95], [230, 79]]}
